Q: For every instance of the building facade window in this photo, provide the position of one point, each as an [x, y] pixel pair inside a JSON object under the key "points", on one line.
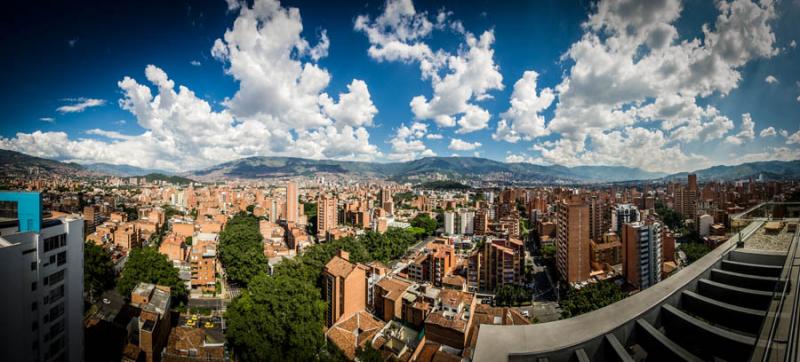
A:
{"points": [[55, 242]]}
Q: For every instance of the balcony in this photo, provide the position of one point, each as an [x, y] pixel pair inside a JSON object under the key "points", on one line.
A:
{"points": [[738, 303]]}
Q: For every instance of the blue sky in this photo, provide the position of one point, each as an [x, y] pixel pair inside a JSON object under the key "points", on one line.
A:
{"points": [[603, 82]]}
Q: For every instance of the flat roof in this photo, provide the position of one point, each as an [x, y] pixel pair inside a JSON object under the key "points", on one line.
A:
{"points": [[207, 236]]}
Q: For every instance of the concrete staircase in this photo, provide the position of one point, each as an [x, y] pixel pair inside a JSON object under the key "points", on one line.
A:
{"points": [[718, 320]]}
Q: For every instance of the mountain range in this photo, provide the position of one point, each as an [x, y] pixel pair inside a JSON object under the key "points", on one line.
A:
{"points": [[15, 164], [769, 170], [471, 168], [122, 170], [421, 169], [458, 168]]}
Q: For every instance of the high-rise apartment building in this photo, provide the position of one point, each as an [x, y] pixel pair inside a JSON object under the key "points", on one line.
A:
{"points": [[572, 240], [41, 270], [327, 215], [461, 222], [624, 214], [291, 202], [642, 254], [498, 263], [509, 224], [386, 196], [685, 198], [685, 201], [466, 221], [481, 222], [344, 287], [692, 182], [388, 206], [598, 218], [432, 265], [449, 223], [91, 218]]}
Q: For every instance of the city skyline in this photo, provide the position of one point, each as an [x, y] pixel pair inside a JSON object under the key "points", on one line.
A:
{"points": [[663, 86]]}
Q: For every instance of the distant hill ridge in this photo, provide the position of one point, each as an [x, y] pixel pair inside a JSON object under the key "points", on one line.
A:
{"points": [[122, 170], [452, 167], [770, 170], [420, 170], [19, 164]]}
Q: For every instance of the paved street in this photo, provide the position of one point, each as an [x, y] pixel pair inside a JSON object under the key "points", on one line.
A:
{"points": [[120, 264], [234, 291], [108, 312], [213, 325], [210, 303]]}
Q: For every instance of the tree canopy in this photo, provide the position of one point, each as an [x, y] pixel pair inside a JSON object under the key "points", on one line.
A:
{"points": [[548, 251], [512, 295], [670, 217], [444, 185], [370, 246], [425, 222], [310, 210], [368, 354], [418, 233], [694, 250], [98, 270], [241, 249], [281, 317], [590, 297], [149, 266], [388, 246], [276, 318], [400, 198]]}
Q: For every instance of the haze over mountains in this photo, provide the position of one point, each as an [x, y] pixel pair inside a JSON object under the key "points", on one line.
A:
{"points": [[453, 167], [459, 168], [123, 170]]}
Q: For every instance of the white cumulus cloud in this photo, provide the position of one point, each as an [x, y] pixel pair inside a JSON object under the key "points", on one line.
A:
{"points": [[459, 79], [631, 69], [407, 143], [793, 139], [523, 118], [281, 107], [768, 132], [747, 131], [80, 104], [461, 145]]}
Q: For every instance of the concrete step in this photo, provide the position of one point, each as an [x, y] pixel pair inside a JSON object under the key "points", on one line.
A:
{"points": [[725, 314], [659, 346], [743, 297], [580, 356], [751, 268], [615, 351], [703, 339], [748, 281], [775, 258]]}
